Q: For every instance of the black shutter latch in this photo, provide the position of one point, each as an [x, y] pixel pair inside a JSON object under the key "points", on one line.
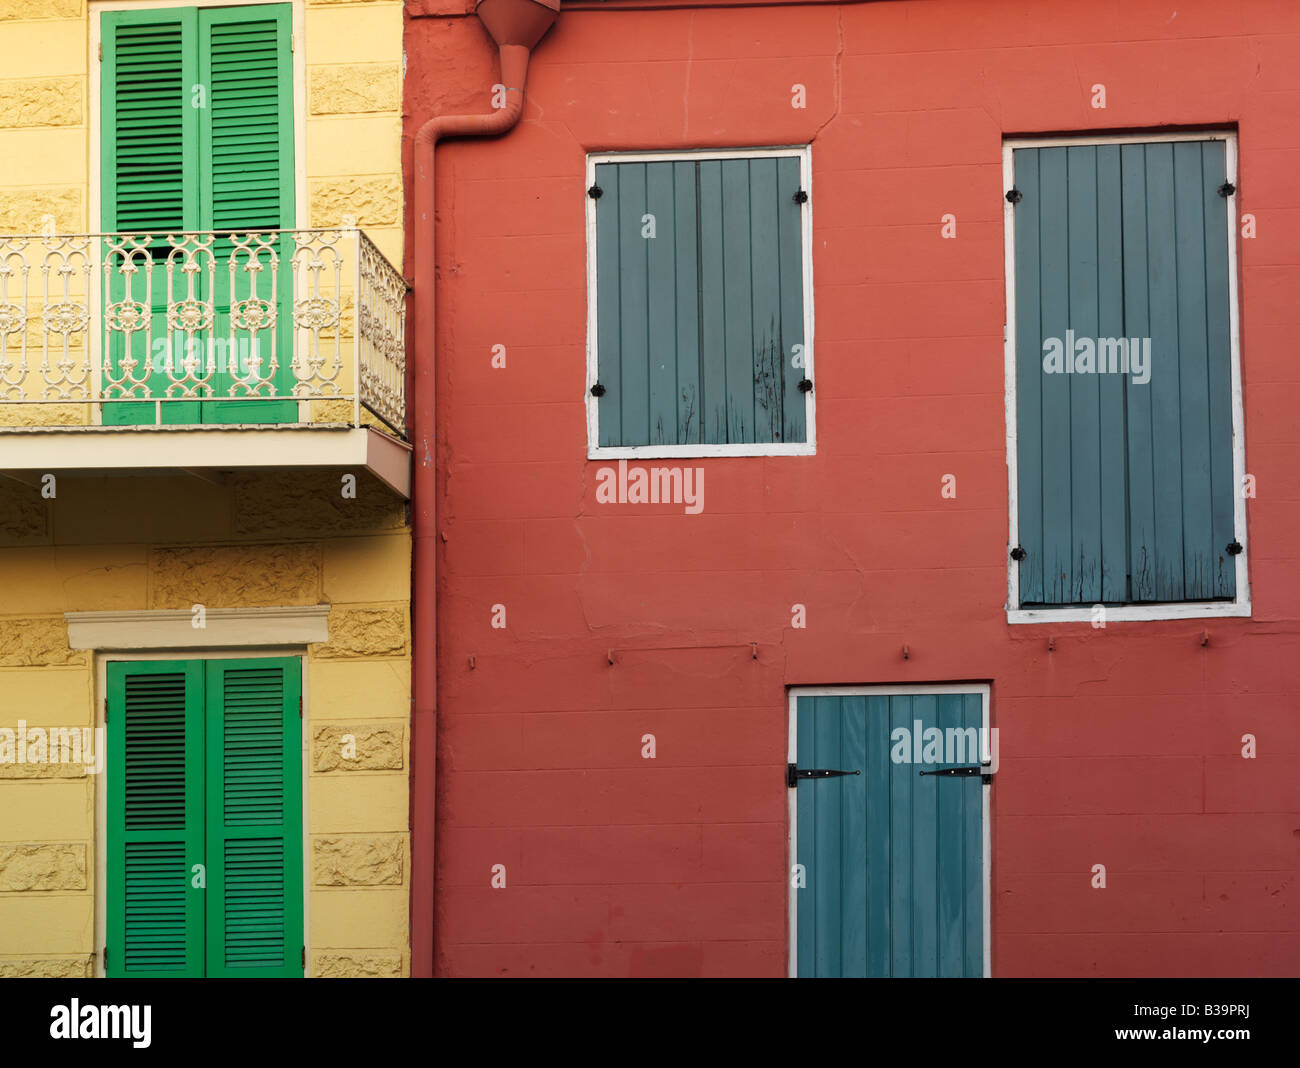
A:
{"points": [[801, 197], [597, 390], [805, 385], [1018, 553], [1015, 196], [595, 192], [1233, 548], [1227, 189]]}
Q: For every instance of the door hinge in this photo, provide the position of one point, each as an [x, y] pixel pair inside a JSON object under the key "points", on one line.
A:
{"points": [[293, 45], [970, 771], [1014, 195], [800, 197], [793, 773], [101, 51], [304, 956], [105, 711], [300, 708], [103, 959]]}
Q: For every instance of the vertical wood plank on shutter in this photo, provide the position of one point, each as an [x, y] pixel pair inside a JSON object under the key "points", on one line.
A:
{"points": [[155, 915], [661, 324], [1055, 277], [854, 835], [826, 886], [254, 818], [713, 345], [972, 844], [1166, 414], [633, 287], [686, 237], [1139, 413], [767, 374], [609, 268], [1113, 520], [1084, 441], [1219, 357], [925, 853], [789, 214], [900, 847], [738, 300], [1029, 376], [876, 772], [806, 812]]}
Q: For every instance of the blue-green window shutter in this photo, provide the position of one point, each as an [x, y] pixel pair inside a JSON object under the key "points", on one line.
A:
{"points": [[1125, 489], [696, 326]]}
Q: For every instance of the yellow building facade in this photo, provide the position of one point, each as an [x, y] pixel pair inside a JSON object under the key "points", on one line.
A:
{"points": [[204, 538]]}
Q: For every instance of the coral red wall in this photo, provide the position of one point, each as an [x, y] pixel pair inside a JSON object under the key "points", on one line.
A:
{"points": [[1122, 747]]}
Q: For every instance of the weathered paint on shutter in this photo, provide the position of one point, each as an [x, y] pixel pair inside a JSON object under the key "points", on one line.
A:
{"points": [[1125, 489], [893, 860], [150, 173], [696, 326], [246, 140], [254, 818], [155, 818]]}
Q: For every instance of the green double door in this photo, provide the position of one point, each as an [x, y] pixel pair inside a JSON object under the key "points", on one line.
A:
{"points": [[890, 861], [204, 850], [198, 138]]}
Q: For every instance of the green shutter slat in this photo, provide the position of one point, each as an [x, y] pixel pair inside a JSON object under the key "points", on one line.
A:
{"points": [[794, 421], [695, 327], [1054, 310], [713, 333], [661, 297], [1084, 391], [155, 818], [1113, 518], [686, 236], [737, 300], [254, 818], [1224, 489], [1029, 377]]}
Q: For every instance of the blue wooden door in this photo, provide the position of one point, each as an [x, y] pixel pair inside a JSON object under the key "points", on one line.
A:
{"points": [[892, 860]]}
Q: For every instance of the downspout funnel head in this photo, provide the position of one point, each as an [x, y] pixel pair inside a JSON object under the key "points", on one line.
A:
{"points": [[517, 22]]}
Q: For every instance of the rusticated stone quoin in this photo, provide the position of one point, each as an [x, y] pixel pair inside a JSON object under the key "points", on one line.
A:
{"points": [[364, 632], [47, 968], [358, 860], [355, 966], [379, 747], [43, 866], [23, 211], [313, 504], [22, 513], [36, 641], [371, 201], [40, 102], [355, 88], [235, 575]]}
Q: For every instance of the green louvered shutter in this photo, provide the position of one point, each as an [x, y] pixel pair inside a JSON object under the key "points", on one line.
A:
{"points": [[246, 141], [1125, 488], [149, 165], [155, 818], [254, 818], [696, 327]]}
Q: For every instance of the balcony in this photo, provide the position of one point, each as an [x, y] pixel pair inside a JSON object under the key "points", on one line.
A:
{"points": [[201, 352]]}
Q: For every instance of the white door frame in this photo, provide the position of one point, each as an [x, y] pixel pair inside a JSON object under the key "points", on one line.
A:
{"points": [[884, 690]]}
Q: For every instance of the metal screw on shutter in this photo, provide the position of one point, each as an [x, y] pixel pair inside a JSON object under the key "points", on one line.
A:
{"points": [[597, 390], [595, 192], [805, 385], [1233, 548], [1227, 189], [1018, 553], [1015, 196]]}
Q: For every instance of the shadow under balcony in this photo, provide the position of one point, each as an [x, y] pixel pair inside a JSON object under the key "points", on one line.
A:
{"points": [[203, 353]]}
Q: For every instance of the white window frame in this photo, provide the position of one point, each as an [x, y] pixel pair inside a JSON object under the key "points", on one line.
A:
{"points": [[1240, 606], [901, 689], [595, 451]]}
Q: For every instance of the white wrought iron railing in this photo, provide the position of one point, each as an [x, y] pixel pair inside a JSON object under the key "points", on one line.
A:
{"points": [[93, 326]]}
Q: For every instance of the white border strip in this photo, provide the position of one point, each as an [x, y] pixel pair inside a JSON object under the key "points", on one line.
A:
{"points": [[1125, 613], [883, 690], [805, 448]]}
